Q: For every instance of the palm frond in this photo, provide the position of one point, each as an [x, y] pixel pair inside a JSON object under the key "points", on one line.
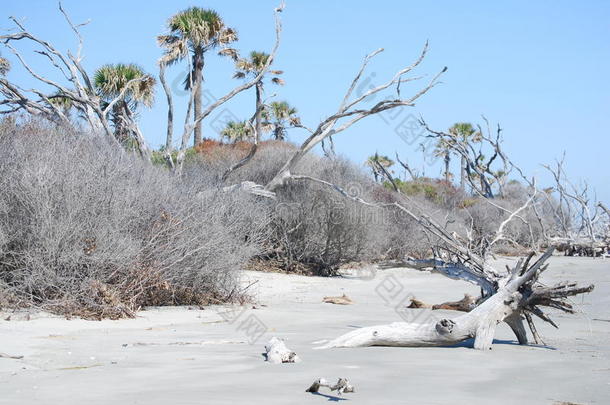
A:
{"points": [[244, 65], [5, 66], [61, 101], [236, 131], [110, 80], [176, 49], [227, 35], [201, 28], [230, 52]]}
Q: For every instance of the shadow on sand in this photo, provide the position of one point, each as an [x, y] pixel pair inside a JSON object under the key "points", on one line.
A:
{"points": [[331, 398]]}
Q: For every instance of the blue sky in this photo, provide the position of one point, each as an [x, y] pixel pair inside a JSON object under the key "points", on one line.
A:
{"points": [[537, 68]]}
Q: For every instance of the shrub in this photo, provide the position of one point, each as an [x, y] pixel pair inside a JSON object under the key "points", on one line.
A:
{"points": [[88, 229], [312, 229], [438, 192], [315, 227]]}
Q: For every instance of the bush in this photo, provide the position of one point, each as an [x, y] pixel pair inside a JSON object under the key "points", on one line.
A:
{"points": [[313, 229], [88, 229], [436, 191]]}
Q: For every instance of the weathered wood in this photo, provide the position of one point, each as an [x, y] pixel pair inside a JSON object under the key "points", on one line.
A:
{"points": [[518, 294], [276, 352], [466, 304], [339, 300], [342, 386]]}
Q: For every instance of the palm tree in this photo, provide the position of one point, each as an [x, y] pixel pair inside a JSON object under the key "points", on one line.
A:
{"points": [[111, 80], [193, 32], [278, 116], [375, 161], [65, 104], [236, 131], [464, 133], [443, 149], [252, 67]]}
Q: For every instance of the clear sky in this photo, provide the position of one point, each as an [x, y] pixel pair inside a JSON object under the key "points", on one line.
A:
{"points": [[539, 68]]}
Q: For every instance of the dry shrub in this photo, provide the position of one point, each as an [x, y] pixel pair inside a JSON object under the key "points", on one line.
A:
{"points": [[88, 229]]}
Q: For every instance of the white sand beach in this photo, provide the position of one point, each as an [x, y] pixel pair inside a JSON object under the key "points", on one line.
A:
{"points": [[213, 355]]}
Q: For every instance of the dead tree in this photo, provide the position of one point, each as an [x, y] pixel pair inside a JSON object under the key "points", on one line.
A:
{"points": [[415, 175], [80, 91], [350, 111], [581, 228], [509, 296], [479, 169], [505, 296], [519, 297]]}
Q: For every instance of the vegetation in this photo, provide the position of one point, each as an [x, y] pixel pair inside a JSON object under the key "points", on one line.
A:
{"points": [[87, 228], [192, 33], [133, 88], [237, 131], [279, 116], [252, 68], [378, 164]]}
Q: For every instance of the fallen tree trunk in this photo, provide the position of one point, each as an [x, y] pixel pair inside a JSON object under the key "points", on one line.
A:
{"points": [[580, 247], [518, 297]]}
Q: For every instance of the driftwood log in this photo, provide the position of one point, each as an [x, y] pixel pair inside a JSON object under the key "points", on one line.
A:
{"points": [[518, 297], [511, 297], [276, 352], [339, 300], [342, 386], [581, 247]]}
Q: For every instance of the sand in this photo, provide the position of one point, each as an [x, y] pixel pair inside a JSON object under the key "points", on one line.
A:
{"points": [[213, 356]]}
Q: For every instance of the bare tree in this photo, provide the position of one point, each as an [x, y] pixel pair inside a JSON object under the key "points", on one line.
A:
{"points": [[351, 110], [510, 296], [472, 150], [413, 173], [80, 90], [580, 224]]}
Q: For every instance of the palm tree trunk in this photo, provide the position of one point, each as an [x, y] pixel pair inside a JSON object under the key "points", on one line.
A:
{"points": [[447, 161], [198, 84], [120, 129], [463, 173], [259, 109]]}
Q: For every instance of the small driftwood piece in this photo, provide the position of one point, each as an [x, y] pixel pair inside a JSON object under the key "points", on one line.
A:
{"points": [[276, 352], [415, 303], [466, 304], [340, 300], [342, 386]]}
